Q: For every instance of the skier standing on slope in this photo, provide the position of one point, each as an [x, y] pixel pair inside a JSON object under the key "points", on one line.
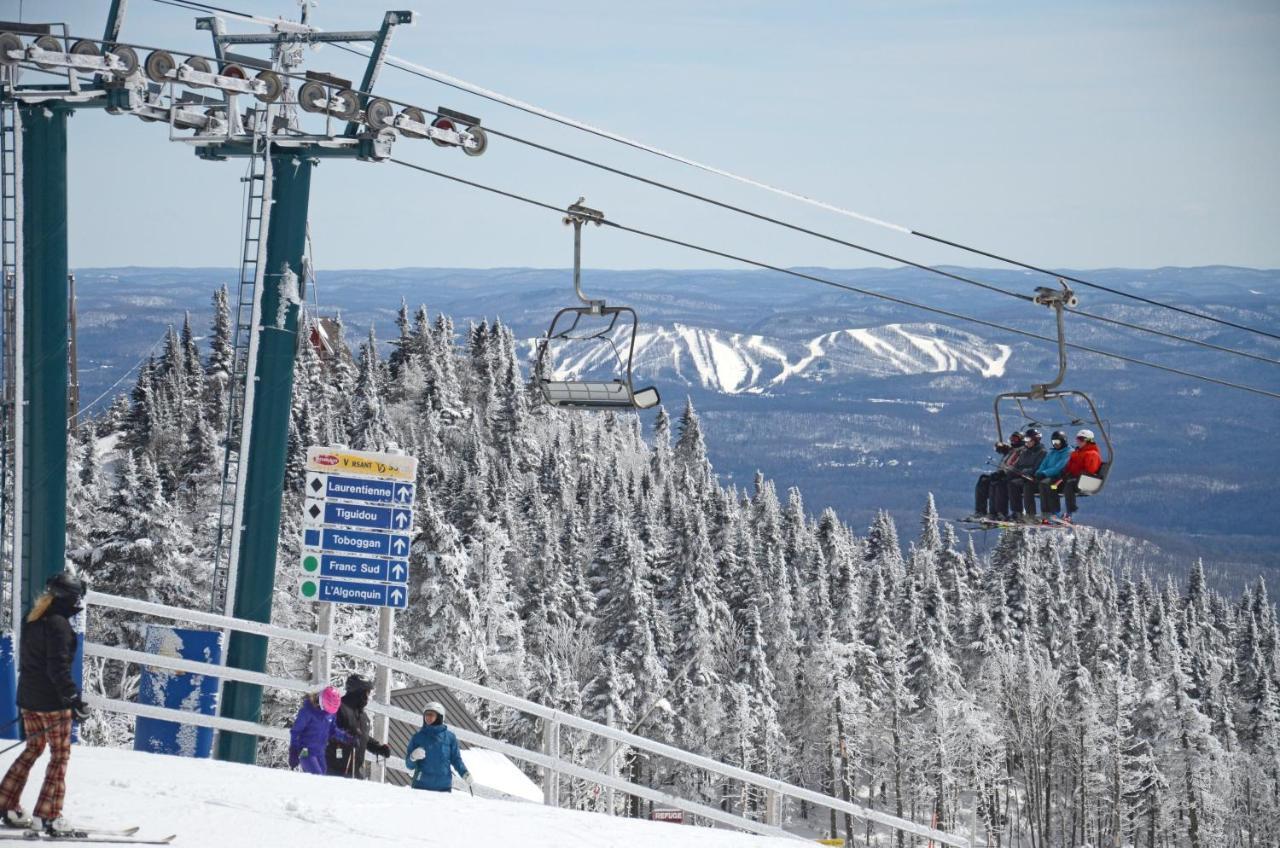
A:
{"points": [[347, 759], [49, 700], [432, 750], [312, 730]]}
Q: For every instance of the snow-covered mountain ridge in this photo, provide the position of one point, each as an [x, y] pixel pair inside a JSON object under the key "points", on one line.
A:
{"points": [[739, 363]]}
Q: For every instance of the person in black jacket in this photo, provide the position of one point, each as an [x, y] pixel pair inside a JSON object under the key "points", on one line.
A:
{"points": [[348, 760], [1022, 478], [49, 700]]}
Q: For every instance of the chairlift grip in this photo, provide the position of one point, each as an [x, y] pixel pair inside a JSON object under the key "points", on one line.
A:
{"points": [[577, 215]]}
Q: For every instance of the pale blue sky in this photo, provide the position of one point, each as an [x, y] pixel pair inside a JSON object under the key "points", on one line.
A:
{"points": [[1084, 134]]}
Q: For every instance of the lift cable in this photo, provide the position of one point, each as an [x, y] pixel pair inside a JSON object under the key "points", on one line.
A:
{"points": [[788, 225], [834, 284], [454, 82], [496, 97]]}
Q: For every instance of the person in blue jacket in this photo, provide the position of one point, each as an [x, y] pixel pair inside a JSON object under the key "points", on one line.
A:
{"points": [[312, 730], [1048, 472], [432, 751]]}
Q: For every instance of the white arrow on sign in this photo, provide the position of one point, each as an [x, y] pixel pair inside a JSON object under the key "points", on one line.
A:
{"points": [[398, 545], [397, 571], [402, 494], [395, 596], [402, 518]]}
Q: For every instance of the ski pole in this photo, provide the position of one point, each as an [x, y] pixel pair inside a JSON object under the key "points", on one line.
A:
{"points": [[22, 742]]}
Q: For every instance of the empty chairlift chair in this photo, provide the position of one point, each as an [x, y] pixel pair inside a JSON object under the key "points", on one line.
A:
{"points": [[611, 328]]}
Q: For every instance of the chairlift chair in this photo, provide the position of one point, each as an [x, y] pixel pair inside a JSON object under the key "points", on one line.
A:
{"points": [[602, 326], [1059, 300]]}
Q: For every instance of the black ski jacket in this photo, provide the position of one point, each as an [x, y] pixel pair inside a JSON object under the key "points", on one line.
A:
{"points": [[348, 760], [45, 683], [1028, 461]]}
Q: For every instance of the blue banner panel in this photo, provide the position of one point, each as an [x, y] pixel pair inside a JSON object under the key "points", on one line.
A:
{"points": [[337, 487], [337, 540], [363, 594], [178, 690], [8, 690]]}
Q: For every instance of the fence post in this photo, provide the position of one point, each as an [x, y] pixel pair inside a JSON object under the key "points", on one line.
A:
{"points": [[321, 659], [771, 807], [551, 777], [382, 682]]}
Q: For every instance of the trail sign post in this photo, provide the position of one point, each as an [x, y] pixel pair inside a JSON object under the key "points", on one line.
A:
{"points": [[357, 527], [357, 532]]}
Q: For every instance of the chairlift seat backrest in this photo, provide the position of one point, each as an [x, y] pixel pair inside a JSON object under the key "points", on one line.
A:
{"points": [[1091, 484], [618, 393]]}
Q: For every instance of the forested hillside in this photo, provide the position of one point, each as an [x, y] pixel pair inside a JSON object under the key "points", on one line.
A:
{"points": [[602, 570]]}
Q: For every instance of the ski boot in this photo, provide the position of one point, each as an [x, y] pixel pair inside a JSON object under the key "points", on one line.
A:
{"points": [[15, 818]]}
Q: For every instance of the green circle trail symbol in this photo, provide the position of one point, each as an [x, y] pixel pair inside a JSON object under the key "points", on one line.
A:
{"points": [[309, 588], [311, 563]]}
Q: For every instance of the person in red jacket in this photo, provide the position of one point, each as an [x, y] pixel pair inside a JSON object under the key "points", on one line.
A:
{"points": [[1085, 459]]}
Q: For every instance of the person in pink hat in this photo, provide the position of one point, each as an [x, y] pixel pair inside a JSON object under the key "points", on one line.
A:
{"points": [[312, 730]]}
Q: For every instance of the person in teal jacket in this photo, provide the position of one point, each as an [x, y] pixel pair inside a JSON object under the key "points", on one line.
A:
{"points": [[432, 751], [1048, 472]]}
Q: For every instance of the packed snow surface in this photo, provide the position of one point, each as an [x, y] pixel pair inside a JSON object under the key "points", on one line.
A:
{"points": [[223, 805]]}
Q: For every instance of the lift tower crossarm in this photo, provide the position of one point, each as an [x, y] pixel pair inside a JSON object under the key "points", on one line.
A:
{"points": [[381, 46]]}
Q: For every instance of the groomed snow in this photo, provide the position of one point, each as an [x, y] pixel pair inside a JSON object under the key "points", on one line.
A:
{"points": [[223, 805]]}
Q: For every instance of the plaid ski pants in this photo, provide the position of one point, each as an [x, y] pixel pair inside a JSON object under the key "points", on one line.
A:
{"points": [[54, 729]]}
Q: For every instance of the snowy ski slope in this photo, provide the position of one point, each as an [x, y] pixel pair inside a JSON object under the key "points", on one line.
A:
{"points": [[734, 363], [225, 805]]}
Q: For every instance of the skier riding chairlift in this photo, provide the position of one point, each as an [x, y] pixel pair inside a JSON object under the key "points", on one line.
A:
{"points": [[1088, 484], [619, 393]]}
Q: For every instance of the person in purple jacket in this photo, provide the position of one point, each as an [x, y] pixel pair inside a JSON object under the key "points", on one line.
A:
{"points": [[312, 730]]}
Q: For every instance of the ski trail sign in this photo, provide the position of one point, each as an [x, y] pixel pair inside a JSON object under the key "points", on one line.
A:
{"points": [[357, 527]]}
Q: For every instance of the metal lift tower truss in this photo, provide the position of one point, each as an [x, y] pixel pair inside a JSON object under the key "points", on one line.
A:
{"points": [[245, 107]]}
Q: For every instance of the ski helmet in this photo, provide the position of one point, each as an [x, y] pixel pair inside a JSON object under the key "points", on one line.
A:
{"points": [[1085, 434], [65, 586], [1015, 438], [356, 683], [1032, 434], [330, 700], [434, 707], [1058, 436]]}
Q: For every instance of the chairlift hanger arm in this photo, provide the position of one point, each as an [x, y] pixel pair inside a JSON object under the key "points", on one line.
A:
{"points": [[576, 215]]}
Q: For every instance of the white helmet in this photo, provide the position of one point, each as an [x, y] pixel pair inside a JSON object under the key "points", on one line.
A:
{"points": [[434, 707], [1085, 434]]}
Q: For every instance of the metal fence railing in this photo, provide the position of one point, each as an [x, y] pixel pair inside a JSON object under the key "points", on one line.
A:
{"points": [[553, 721]]}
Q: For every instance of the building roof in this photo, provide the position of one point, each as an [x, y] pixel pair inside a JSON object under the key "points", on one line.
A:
{"points": [[414, 699]]}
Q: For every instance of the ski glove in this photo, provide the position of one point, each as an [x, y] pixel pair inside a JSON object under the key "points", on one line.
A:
{"points": [[293, 758], [418, 755], [469, 780], [380, 749], [79, 709]]}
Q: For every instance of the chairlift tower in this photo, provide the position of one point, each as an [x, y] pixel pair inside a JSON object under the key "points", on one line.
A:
{"points": [[230, 105]]}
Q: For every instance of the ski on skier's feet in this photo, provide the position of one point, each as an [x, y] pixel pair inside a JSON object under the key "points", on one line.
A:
{"points": [[95, 838], [1008, 524], [94, 835]]}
